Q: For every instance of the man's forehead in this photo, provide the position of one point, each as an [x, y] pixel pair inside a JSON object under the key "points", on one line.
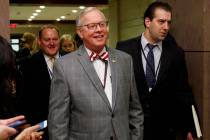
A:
{"points": [[89, 14], [162, 14]]}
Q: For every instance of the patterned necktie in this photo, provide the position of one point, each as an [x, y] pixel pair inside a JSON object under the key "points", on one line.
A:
{"points": [[150, 67], [104, 56], [51, 63]]}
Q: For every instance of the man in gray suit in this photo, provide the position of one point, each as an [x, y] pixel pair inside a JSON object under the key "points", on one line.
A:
{"points": [[93, 92]]}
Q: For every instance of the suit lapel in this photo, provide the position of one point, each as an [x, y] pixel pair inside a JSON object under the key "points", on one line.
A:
{"points": [[138, 59], [42, 65], [113, 68], [164, 63], [90, 71]]}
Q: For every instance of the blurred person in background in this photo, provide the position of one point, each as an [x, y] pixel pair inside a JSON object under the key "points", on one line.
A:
{"points": [[78, 40], [9, 77], [9, 83], [26, 47], [35, 47], [67, 44]]}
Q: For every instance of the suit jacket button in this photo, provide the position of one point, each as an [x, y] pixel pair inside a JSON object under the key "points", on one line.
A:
{"points": [[111, 138], [112, 115]]}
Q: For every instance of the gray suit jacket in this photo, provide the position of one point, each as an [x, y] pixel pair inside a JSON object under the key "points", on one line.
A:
{"points": [[79, 108]]}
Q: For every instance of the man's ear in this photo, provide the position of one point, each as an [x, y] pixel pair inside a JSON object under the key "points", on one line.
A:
{"points": [[79, 32], [147, 22]]}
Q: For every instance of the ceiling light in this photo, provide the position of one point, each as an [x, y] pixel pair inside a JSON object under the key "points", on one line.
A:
{"points": [[42, 7], [81, 7], [63, 17], [58, 19], [38, 10], [35, 14], [74, 11], [29, 19], [32, 17]]}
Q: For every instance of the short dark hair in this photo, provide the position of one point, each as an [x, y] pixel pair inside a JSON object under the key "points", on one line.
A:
{"points": [[150, 11], [48, 26]]}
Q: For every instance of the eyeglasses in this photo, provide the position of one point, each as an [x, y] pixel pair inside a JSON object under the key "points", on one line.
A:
{"points": [[93, 26]]}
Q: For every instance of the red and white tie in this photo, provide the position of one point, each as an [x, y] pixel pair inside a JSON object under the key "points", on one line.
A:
{"points": [[104, 56]]}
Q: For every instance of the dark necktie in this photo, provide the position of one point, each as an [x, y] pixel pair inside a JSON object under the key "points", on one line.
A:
{"points": [[150, 67], [104, 56]]}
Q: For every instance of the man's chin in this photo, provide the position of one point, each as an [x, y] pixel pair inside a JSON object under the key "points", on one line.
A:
{"points": [[162, 38], [52, 53]]}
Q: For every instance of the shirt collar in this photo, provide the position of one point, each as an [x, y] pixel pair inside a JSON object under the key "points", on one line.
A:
{"points": [[48, 57], [144, 43], [89, 51]]}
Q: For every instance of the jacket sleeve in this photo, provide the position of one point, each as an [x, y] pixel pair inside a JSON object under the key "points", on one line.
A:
{"points": [[135, 111], [59, 114]]}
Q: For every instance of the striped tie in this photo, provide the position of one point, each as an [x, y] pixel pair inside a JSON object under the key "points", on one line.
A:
{"points": [[51, 63], [104, 56]]}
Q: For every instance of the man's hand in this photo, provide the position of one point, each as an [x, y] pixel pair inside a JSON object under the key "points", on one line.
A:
{"points": [[11, 120], [30, 133], [6, 132]]}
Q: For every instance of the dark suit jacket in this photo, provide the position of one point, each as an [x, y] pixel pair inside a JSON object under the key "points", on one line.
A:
{"points": [[167, 107], [33, 102]]}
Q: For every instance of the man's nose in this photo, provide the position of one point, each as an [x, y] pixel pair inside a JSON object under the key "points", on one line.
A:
{"points": [[167, 26], [51, 42]]}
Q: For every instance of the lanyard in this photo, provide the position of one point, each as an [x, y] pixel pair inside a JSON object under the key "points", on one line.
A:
{"points": [[50, 72], [105, 74], [158, 67]]}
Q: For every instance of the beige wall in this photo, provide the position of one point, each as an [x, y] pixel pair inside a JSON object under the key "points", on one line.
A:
{"points": [[4, 18], [126, 19], [131, 17], [113, 23]]}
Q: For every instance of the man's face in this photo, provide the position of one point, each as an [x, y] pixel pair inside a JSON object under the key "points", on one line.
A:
{"points": [[157, 28], [49, 42], [95, 32]]}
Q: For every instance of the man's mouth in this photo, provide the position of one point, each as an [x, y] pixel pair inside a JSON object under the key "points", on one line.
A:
{"points": [[99, 36]]}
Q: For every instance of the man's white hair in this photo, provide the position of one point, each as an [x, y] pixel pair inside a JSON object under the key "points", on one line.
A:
{"points": [[84, 12]]}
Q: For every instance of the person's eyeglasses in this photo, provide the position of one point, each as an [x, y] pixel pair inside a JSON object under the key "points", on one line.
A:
{"points": [[93, 26]]}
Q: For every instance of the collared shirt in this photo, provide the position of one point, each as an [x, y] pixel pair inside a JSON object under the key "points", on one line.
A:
{"points": [[100, 70], [49, 64], [157, 54]]}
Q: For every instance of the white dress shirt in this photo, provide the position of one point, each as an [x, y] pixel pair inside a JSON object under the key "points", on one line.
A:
{"points": [[157, 54], [100, 70], [50, 63]]}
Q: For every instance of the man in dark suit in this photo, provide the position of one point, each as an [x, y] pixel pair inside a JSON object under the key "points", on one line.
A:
{"points": [[37, 73], [93, 92], [161, 77]]}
